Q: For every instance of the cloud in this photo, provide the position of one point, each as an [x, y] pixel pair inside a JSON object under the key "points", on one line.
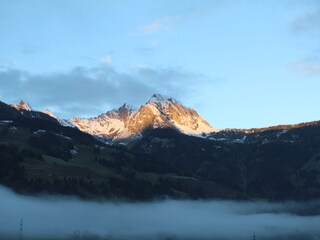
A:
{"points": [[314, 69], [59, 217], [90, 91], [107, 60], [186, 12], [306, 67], [169, 23], [306, 23], [153, 27], [8, 64]]}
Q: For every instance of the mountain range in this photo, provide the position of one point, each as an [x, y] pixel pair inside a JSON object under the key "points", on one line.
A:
{"points": [[169, 151], [128, 122]]}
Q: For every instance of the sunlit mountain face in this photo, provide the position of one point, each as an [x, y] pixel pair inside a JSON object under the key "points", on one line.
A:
{"points": [[158, 112], [22, 105]]}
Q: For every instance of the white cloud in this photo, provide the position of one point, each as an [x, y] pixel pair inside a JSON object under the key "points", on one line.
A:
{"points": [[163, 24], [306, 67], [107, 60], [314, 69], [8, 64], [153, 27]]}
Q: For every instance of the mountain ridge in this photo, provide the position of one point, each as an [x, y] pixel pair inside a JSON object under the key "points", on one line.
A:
{"points": [[110, 125], [158, 112]]}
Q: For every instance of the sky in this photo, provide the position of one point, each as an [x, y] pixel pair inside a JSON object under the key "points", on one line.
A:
{"points": [[240, 64]]}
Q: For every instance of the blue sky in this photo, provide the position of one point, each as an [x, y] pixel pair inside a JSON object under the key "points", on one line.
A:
{"points": [[238, 63]]}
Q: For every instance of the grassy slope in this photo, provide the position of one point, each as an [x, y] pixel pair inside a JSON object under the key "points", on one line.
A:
{"points": [[80, 165]]}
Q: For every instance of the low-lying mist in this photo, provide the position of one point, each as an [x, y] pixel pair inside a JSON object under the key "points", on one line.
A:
{"points": [[60, 217]]}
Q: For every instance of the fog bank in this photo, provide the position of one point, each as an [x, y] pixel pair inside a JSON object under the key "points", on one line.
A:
{"points": [[60, 217]]}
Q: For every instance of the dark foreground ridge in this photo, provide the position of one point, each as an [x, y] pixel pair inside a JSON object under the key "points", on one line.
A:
{"points": [[39, 155]]}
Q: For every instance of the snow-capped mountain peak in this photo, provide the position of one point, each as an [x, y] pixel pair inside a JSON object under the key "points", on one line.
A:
{"points": [[184, 119], [22, 105], [159, 112], [159, 98]]}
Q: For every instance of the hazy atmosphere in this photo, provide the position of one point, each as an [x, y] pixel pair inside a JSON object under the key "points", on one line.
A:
{"points": [[228, 59], [64, 216]]}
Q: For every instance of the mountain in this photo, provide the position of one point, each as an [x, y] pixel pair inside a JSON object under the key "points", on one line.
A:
{"points": [[158, 112], [22, 105], [25, 108]]}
